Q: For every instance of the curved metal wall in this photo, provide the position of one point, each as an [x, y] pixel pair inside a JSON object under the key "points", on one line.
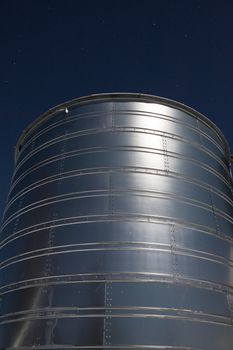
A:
{"points": [[118, 230]]}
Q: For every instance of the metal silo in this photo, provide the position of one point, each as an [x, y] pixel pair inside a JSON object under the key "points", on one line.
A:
{"points": [[118, 230]]}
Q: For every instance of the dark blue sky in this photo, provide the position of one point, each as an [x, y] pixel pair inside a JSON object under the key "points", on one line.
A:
{"points": [[53, 51]]}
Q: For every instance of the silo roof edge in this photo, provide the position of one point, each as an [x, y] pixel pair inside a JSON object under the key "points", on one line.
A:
{"points": [[125, 96]]}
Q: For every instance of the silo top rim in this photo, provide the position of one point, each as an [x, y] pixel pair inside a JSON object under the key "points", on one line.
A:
{"points": [[120, 96]]}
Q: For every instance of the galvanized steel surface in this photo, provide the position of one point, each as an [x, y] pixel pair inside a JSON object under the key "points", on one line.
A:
{"points": [[118, 230]]}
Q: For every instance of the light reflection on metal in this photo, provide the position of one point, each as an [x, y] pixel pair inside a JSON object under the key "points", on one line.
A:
{"points": [[118, 229]]}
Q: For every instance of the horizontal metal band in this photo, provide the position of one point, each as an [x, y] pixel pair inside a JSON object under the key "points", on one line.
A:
{"points": [[71, 154], [114, 277], [201, 255], [130, 97], [95, 131], [114, 193], [113, 218], [129, 170], [169, 314]]}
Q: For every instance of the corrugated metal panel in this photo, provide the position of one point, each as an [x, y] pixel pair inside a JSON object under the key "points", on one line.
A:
{"points": [[118, 230]]}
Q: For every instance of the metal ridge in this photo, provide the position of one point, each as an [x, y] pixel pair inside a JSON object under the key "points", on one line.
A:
{"points": [[138, 97]]}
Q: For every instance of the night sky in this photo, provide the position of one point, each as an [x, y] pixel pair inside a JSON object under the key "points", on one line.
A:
{"points": [[53, 51]]}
